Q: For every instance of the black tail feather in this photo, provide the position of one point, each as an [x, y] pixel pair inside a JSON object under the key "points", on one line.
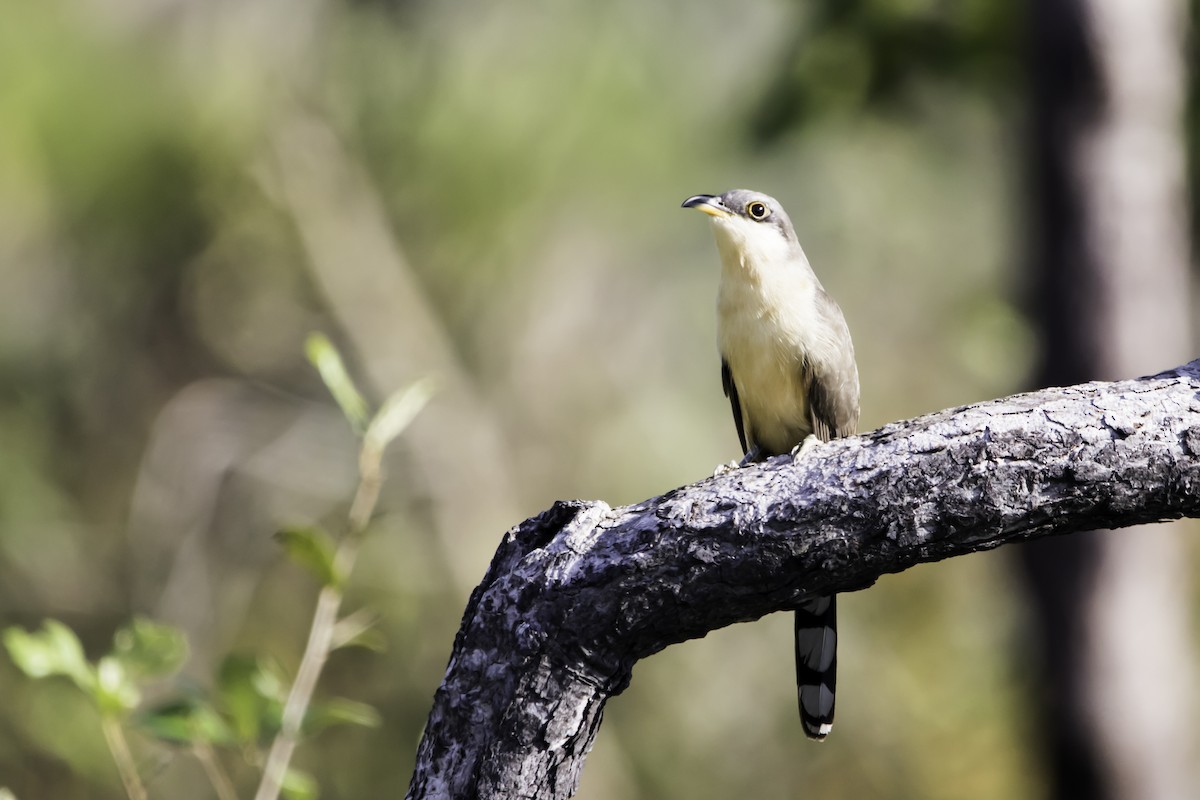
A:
{"points": [[816, 664]]}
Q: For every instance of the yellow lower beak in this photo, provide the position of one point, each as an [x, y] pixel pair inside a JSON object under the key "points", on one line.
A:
{"points": [[708, 204]]}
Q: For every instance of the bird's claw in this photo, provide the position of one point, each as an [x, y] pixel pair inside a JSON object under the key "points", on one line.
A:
{"points": [[810, 442], [753, 456]]}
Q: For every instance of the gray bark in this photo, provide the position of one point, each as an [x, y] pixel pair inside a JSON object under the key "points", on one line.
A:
{"points": [[575, 596]]}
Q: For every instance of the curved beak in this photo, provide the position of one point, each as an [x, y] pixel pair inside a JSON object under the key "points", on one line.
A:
{"points": [[708, 204]]}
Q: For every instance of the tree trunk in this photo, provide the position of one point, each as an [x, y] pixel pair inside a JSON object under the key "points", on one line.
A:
{"points": [[1111, 286], [576, 596]]}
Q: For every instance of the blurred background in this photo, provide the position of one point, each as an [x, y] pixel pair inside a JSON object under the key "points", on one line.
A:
{"points": [[488, 193]]}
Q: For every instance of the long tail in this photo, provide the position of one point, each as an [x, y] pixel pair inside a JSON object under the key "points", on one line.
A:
{"points": [[816, 663]]}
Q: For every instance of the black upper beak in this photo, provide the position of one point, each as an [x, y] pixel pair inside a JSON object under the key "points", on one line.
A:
{"points": [[699, 199], [707, 203]]}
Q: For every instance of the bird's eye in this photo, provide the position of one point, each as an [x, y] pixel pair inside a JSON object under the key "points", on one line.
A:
{"points": [[757, 210]]}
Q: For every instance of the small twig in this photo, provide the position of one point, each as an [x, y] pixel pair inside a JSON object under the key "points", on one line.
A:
{"points": [[320, 635], [119, 747], [213, 769]]}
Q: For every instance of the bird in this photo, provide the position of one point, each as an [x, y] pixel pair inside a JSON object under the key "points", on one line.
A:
{"points": [[788, 369]]}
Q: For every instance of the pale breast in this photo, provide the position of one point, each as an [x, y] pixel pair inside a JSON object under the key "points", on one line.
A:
{"points": [[764, 334]]}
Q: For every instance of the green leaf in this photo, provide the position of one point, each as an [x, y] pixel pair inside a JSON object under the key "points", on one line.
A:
{"points": [[251, 692], [358, 630], [312, 548], [340, 711], [150, 649], [371, 639], [325, 357], [299, 785], [186, 720], [115, 691], [397, 413], [271, 682], [55, 650]]}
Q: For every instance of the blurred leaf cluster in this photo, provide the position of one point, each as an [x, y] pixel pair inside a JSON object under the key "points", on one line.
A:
{"points": [[873, 54], [243, 712], [253, 703], [142, 650]]}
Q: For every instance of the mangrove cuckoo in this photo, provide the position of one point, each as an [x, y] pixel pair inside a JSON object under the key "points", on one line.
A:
{"points": [[787, 366]]}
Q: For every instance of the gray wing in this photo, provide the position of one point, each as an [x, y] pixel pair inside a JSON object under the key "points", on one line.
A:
{"points": [[833, 387]]}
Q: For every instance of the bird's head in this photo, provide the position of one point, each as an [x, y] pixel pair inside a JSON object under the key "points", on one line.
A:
{"points": [[751, 227]]}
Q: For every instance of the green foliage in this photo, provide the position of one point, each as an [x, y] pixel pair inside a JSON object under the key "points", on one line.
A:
{"points": [[148, 649], [243, 711], [187, 720], [55, 650], [299, 785], [359, 630], [115, 692], [251, 692], [396, 413], [251, 696], [328, 361], [312, 548], [142, 650], [340, 711], [869, 54]]}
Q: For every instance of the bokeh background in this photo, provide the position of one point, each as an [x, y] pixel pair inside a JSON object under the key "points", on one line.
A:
{"points": [[488, 193]]}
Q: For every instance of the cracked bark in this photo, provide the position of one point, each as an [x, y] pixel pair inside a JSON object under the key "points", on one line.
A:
{"points": [[575, 596]]}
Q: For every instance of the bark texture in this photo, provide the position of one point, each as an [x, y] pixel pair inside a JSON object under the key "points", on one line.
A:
{"points": [[577, 595]]}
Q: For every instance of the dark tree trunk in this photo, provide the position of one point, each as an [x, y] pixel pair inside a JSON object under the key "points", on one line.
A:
{"points": [[1110, 295]]}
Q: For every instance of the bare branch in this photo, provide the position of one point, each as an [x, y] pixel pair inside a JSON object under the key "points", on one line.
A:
{"points": [[575, 596]]}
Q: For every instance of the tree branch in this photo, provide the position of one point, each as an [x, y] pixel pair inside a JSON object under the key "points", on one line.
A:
{"points": [[575, 596]]}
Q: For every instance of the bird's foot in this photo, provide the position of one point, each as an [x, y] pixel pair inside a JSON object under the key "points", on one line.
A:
{"points": [[810, 442], [724, 468], [754, 455]]}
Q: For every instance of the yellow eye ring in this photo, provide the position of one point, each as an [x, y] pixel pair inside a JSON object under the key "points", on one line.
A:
{"points": [[757, 210]]}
